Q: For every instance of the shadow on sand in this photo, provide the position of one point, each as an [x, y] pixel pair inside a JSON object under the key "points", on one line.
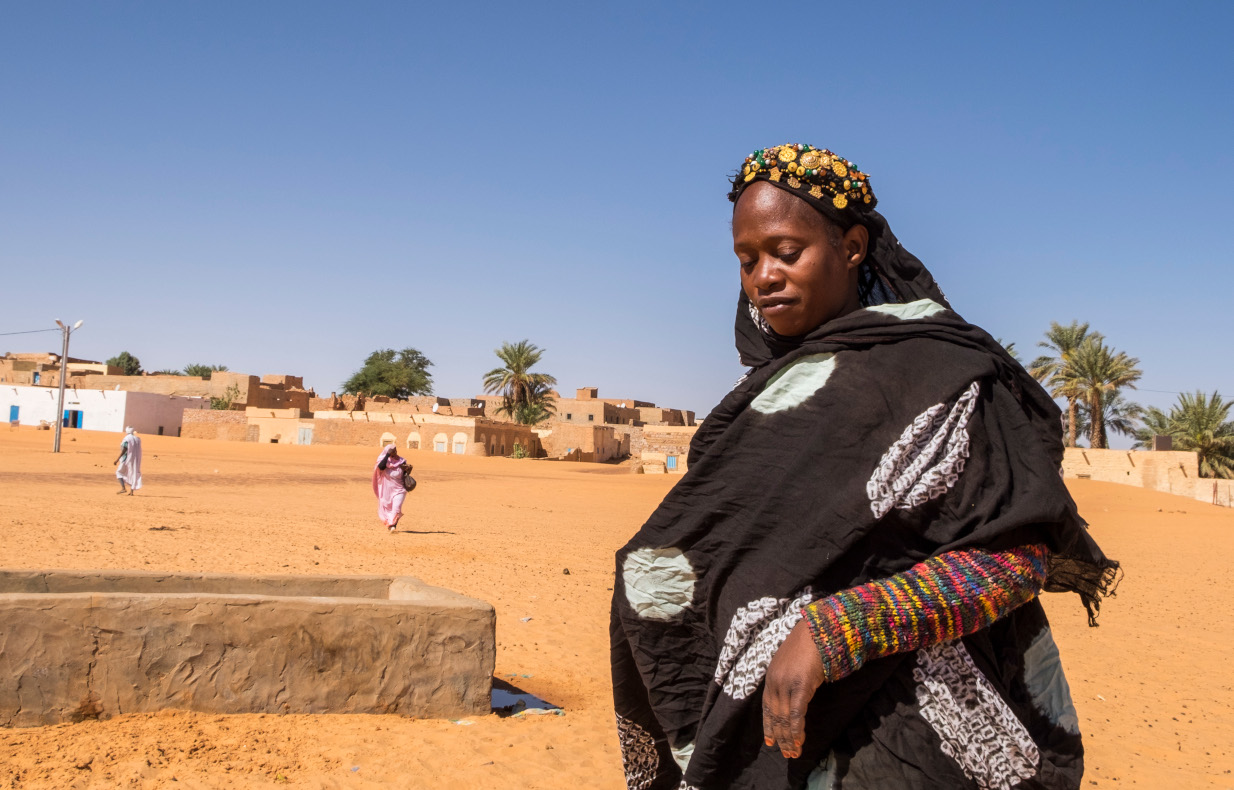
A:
{"points": [[510, 700]]}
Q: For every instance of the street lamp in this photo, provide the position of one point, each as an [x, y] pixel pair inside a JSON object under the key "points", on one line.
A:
{"points": [[65, 331]]}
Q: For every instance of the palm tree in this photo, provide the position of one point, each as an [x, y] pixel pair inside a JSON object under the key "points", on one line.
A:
{"points": [[1154, 422], [1051, 371], [1118, 415], [1198, 423], [1010, 347], [526, 396], [1095, 372]]}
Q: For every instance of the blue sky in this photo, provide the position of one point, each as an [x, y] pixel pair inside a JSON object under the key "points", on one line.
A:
{"points": [[285, 187]]}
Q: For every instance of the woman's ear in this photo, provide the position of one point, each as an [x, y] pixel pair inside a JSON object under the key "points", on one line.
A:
{"points": [[855, 244]]}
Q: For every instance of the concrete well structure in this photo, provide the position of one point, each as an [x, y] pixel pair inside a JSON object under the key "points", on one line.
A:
{"points": [[96, 644]]}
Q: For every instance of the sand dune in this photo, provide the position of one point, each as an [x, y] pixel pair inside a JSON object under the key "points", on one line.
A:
{"points": [[1153, 684]]}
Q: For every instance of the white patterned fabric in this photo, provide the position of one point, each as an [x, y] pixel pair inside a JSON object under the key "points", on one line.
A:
{"points": [[755, 633], [796, 384], [911, 311], [927, 459], [659, 583], [638, 754], [1046, 683], [757, 317], [972, 721]]}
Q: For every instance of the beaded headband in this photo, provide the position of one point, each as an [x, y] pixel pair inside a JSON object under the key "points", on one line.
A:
{"points": [[815, 171]]}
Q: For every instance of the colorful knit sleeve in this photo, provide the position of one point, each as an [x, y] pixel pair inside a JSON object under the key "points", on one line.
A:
{"points": [[946, 597]]}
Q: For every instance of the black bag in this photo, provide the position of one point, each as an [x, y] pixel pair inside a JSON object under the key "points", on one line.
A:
{"points": [[409, 482]]}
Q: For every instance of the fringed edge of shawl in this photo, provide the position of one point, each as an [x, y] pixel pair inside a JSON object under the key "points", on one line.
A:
{"points": [[1090, 581]]}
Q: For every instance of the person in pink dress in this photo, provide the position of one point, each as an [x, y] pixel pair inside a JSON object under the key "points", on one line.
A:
{"points": [[388, 486]]}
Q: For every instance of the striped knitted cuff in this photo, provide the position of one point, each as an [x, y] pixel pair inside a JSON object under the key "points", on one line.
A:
{"points": [[941, 599]]}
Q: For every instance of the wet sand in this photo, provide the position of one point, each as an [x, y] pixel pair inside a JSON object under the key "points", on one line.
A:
{"points": [[1153, 685]]}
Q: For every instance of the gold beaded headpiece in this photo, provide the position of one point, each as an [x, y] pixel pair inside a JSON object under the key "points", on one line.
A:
{"points": [[816, 172]]}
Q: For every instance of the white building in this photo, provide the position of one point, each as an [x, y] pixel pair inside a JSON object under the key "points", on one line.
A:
{"points": [[99, 410]]}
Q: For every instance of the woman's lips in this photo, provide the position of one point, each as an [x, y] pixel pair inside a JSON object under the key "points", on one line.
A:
{"points": [[775, 306]]}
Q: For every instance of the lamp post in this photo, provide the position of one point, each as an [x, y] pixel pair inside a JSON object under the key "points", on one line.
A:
{"points": [[65, 331]]}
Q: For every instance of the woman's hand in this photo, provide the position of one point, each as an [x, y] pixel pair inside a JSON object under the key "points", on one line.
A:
{"points": [[795, 673]]}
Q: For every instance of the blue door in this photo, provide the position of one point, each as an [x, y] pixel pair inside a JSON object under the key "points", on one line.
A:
{"points": [[72, 418], [672, 463], [13, 413]]}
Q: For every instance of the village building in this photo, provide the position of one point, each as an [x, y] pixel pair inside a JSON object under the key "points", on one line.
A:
{"points": [[590, 428], [666, 449], [43, 370], [99, 410], [430, 424], [239, 389]]}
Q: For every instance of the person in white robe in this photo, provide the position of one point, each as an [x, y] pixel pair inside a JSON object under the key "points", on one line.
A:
{"points": [[128, 463]]}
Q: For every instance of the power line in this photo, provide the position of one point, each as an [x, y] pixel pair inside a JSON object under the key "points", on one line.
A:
{"points": [[28, 332]]}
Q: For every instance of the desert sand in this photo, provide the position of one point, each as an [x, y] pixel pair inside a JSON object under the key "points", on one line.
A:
{"points": [[1154, 684]]}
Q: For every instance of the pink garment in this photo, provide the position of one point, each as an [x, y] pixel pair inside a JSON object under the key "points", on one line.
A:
{"points": [[388, 486]]}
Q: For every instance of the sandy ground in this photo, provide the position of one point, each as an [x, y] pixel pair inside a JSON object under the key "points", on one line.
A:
{"points": [[1154, 684]]}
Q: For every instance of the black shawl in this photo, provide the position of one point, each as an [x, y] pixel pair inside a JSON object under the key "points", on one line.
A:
{"points": [[884, 437]]}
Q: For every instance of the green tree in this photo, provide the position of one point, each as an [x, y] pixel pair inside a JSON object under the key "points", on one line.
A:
{"points": [[1118, 415], [526, 397], [130, 364], [1198, 423], [395, 374], [167, 373], [204, 371], [1010, 349], [533, 413], [1094, 372], [223, 402], [1052, 370]]}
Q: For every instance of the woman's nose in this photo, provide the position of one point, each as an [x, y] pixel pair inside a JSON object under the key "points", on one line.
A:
{"points": [[766, 275]]}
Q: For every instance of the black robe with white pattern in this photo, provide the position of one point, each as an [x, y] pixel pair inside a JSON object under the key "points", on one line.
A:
{"points": [[885, 437]]}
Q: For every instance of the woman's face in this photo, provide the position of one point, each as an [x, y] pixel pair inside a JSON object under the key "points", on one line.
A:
{"points": [[796, 268]]}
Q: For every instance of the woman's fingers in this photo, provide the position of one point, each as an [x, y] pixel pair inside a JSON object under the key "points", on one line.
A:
{"points": [[793, 676]]}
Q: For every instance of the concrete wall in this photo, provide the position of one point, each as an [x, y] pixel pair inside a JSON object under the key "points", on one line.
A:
{"points": [[1171, 472], [96, 644], [206, 424]]}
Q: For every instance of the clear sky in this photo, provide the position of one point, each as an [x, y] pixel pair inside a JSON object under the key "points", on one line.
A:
{"points": [[286, 187]]}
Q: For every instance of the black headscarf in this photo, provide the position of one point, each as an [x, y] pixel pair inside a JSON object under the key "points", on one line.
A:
{"points": [[780, 507]]}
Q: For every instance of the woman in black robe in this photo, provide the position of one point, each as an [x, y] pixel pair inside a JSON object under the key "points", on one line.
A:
{"points": [[842, 590]]}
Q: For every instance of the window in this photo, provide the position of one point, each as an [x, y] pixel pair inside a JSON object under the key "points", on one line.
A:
{"points": [[440, 443], [569, 416], [160, 430], [460, 443]]}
